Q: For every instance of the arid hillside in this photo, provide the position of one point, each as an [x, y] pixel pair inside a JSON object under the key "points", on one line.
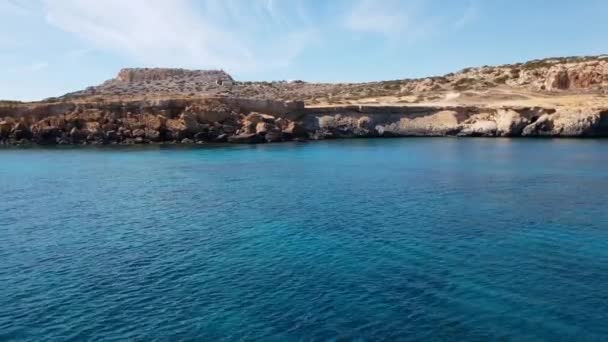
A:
{"points": [[539, 80]]}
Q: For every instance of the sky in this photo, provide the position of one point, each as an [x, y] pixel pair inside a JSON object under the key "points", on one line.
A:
{"points": [[50, 47]]}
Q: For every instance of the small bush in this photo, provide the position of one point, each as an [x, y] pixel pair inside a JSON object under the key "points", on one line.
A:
{"points": [[501, 79]]}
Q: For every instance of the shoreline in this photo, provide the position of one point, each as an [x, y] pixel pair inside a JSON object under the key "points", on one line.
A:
{"points": [[202, 145]]}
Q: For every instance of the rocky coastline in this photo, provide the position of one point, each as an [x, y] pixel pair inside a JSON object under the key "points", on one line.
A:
{"points": [[223, 120], [557, 97]]}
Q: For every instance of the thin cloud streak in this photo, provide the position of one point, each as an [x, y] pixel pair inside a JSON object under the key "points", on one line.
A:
{"points": [[210, 34]]}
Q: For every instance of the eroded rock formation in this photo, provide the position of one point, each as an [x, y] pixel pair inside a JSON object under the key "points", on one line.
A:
{"points": [[220, 120]]}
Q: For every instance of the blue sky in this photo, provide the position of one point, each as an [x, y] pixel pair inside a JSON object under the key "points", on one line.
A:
{"points": [[49, 47]]}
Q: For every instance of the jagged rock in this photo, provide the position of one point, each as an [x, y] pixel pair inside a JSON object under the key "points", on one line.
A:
{"points": [[483, 128], [201, 136], [263, 127], [190, 122], [274, 136], [365, 122], [177, 130], [93, 127], [5, 128], [138, 133], [565, 123], [152, 134], [510, 123], [228, 129], [295, 129], [44, 134], [21, 133], [78, 135], [125, 133], [111, 135], [221, 138], [251, 138], [557, 79], [258, 117], [187, 141], [153, 122]]}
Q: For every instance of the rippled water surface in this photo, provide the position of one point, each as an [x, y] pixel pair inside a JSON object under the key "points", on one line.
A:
{"points": [[428, 239]]}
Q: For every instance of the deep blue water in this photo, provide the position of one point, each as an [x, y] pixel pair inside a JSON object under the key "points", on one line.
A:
{"points": [[409, 239]]}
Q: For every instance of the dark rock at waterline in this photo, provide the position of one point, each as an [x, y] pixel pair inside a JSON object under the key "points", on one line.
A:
{"points": [[246, 138]]}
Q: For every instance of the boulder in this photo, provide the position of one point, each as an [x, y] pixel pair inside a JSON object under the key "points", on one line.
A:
{"points": [[365, 122], [177, 129], [228, 129], [5, 128], [138, 133], [263, 127], [153, 122], [201, 136], [152, 134], [111, 136], [93, 127], [295, 129], [125, 133], [258, 117], [274, 136], [190, 122], [221, 138], [21, 132], [78, 135], [47, 134]]}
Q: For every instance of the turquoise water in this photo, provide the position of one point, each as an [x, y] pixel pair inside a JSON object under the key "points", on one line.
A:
{"points": [[410, 239]]}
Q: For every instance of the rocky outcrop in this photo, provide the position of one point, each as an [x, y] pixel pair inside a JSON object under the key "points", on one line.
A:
{"points": [[567, 123], [457, 121], [217, 120], [133, 75], [577, 76], [201, 121], [510, 123]]}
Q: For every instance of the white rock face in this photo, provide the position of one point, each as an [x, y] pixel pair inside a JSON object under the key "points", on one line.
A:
{"points": [[571, 123], [510, 123], [437, 124], [484, 128]]}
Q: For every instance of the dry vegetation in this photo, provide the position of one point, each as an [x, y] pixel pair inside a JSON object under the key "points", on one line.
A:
{"points": [[537, 77]]}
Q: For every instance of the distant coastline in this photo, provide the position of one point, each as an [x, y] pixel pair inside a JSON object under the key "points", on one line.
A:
{"points": [[559, 97]]}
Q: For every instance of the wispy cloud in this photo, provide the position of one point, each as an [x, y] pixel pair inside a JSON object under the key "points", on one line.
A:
{"points": [[185, 33], [394, 19], [10, 7], [405, 20], [28, 68], [470, 14]]}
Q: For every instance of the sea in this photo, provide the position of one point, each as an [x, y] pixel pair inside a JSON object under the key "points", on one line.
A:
{"points": [[423, 239]]}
